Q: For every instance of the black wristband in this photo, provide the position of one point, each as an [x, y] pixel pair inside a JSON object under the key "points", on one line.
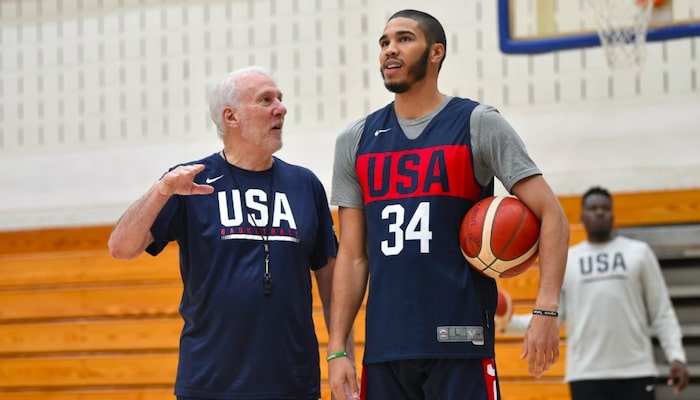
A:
{"points": [[547, 313]]}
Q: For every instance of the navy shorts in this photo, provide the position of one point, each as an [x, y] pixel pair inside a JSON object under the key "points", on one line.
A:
{"points": [[431, 379], [613, 389]]}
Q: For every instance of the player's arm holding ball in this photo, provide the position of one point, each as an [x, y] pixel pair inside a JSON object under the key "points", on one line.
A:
{"points": [[541, 341]]}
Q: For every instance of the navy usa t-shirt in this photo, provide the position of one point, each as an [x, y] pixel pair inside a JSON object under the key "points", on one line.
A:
{"points": [[237, 342]]}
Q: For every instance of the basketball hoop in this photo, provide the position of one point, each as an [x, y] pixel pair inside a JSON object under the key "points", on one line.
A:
{"points": [[622, 28]]}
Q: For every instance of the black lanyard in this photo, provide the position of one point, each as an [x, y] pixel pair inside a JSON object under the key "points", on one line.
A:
{"points": [[267, 277]]}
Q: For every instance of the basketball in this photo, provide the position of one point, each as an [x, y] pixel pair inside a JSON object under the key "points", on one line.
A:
{"points": [[499, 236], [504, 310]]}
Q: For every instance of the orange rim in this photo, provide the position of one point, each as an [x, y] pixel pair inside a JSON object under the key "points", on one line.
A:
{"points": [[654, 2]]}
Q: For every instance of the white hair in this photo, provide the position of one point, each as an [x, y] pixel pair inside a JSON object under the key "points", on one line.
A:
{"points": [[225, 93]]}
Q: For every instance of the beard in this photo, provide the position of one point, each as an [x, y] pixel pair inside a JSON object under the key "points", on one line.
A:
{"points": [[416, 72], [261, 137], [599, 231]]}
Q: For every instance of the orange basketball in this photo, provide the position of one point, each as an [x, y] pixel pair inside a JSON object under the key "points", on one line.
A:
{"points": [[499, 236], [504, 310], [504, 307]]}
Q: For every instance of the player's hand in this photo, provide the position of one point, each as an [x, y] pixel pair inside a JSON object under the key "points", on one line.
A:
{"points": [[678, 376], [541, 344], [181, 181], [343, 379]]}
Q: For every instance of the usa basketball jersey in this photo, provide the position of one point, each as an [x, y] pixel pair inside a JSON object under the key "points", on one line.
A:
{"points": [[424, 300], [238, 342]]}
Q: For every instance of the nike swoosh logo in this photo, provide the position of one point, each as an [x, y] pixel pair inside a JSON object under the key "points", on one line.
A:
{"points": [[378, 131], [212, 180]]}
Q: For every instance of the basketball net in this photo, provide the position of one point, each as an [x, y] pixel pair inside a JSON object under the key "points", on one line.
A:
{"points": [[622, 28]]}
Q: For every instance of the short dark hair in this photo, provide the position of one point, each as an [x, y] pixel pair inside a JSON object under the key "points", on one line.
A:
{"points": [[431, 27], [596, 190]]}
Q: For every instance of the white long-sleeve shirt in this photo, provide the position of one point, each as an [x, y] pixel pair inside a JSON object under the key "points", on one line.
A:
{"points": [[614, 297]]}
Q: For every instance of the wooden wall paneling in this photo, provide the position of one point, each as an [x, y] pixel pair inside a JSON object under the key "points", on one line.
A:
{"points": [[645, 208], [535, 389], [86, 267], [81, 335], [35, 241], [522, 287], [111, 393], [88, 370], [90, 302]]}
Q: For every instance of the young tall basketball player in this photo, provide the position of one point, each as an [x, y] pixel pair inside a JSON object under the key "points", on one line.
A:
{"points": [[403, 178]]}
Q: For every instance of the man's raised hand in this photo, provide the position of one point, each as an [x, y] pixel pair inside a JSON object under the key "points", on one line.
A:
{"points": [[181, 181]]}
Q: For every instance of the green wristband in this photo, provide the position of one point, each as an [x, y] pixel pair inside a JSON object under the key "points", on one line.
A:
{"points": [[336, 355]]}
